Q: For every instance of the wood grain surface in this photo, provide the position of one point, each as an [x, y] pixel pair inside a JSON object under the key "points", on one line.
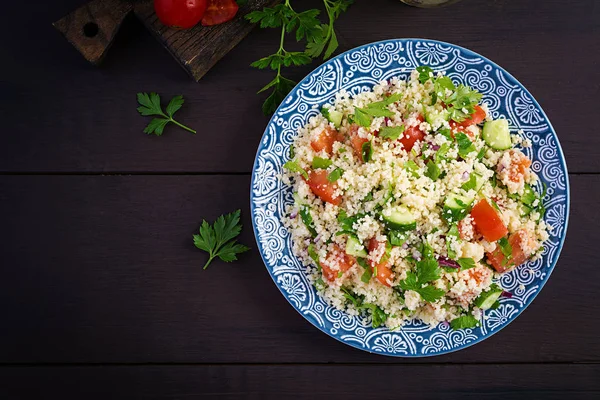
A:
{"points": [[92, 27], [102, 294], [198, 49]]}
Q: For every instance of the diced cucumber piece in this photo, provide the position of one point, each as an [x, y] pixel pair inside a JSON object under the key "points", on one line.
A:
{"points": [[336, 118], [437, 117], [456, 208], [355, 248], [488, 298], [333, 116], [400, 219], [479, 181], [496, 134], [525, 210]]}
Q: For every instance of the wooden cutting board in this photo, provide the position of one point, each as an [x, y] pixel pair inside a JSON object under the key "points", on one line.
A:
{"points": [[92, 28]]}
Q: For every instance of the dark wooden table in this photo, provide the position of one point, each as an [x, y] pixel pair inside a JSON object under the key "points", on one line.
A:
{"points": [[102, 292]]}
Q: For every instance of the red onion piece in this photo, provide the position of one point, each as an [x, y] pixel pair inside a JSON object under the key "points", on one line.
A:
{"points": [[446, 262], [506, 294]]}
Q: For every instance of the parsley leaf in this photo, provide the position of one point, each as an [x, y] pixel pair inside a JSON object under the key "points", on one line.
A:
{"points": [[217, 240], [335, 175], [465, 146], [461, 102], [430, 293], [506, 249], [319, 38], [150, 105], [347, 223], [362, 118], [466, 263], [433, 171], [391, 132], [464, 322], [307, 218], [441, 84], [295, 167], [412, 167], [427, 270], [425, 73], [321, 163], [397, 238], [452, 233], [471, 183]]}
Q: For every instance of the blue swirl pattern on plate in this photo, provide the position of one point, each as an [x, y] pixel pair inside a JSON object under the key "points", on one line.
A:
{"points": [[358, 70]]}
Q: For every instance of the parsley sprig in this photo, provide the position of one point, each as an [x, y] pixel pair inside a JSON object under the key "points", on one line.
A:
{"points": [[150, 105], [218, 240], [427, 270], [320, 39]]}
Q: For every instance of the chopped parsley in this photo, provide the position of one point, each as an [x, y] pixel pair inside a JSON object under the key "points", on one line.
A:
{"points": [[295, 167], [466, 263], [397, 238], [425, 73], [391, 132], [471, 183], [335, 175], [427, 270], [308, 220], [464, 322], [378, 316], [362, 118], [433, 171], [321, 163], [412, 167], [506, 249], [465, 146]]}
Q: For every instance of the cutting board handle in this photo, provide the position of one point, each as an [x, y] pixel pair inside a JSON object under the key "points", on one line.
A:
{"points": [[92, 27]]}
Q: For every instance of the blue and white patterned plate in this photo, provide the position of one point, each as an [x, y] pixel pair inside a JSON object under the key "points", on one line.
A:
{"points": [[358, 70]]}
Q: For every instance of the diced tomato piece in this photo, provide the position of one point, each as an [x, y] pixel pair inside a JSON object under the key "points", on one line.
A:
{"points": [[383, 268], [488, 221], [518, 168], [476, 118], [325, 140], [518, 256], [219, 11], [320, 186], [336, 257], [356, 140], [412, 135]]}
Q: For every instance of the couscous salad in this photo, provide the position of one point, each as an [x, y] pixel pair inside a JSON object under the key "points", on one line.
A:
{"points": [[409, 200]]}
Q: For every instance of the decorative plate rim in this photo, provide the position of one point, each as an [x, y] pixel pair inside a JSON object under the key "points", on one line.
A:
{"points": [[560, 156]]}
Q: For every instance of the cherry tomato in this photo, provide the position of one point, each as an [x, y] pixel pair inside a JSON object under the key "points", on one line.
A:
{"points": [[357, 141], [411, 135], [336, 257], [518, 256], [181, 14], [219, 11], [320, 186], [325, 140], [488, 222], [384, 271]]}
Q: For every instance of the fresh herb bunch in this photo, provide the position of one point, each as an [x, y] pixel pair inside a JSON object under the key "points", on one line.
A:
{"points": [[150, 105], [218, 240], [320, 40]]}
